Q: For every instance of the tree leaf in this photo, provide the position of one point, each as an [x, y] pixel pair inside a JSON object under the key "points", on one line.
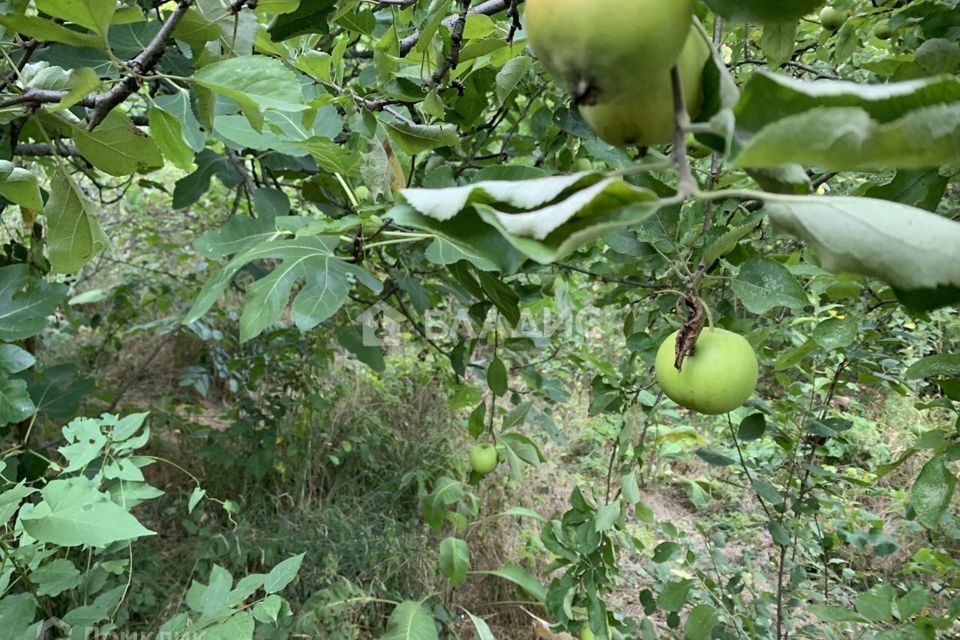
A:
{"points": [[15, 402], [933, 491], [410, 621], [876, 605], [168, 133], [910, 249], [25, 302], [936, 366], [118, 147], [483, 630], [54, 578], [283, 574], [254, 83], [73, 234], [454, 560], [417, 138], [700, 622], [95, 15], [522, 578], [19, 186], [74, 512], [762, 10], [764, 284]]}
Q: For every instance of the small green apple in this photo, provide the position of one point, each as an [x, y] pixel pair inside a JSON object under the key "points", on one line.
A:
{"points": [[483, 458], [719, 376], [883, 31], [832, 19]]}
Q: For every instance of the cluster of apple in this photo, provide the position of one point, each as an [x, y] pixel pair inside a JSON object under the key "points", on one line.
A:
{"points": [[615, 58]]}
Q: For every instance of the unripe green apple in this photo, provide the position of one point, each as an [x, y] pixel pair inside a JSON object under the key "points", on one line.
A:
{"points": [[646, 118], [697, 150], [883, 31], [719, 376], [483, 458], [586, 634], [597, 49], [831, 19]]}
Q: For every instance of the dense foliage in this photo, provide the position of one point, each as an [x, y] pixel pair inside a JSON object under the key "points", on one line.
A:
{"points": [[301, 186]]}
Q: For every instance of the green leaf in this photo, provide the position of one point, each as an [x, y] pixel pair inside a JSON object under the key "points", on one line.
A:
{"points": [[876, 605], [268, 609], [447, 492], [912, 603], [933, 491], [752, 427], [19, 186], [15, 403], [674, 595], [417, 138], [510, 76], [700, 622], [309, 17], [922, 188], [763, 10], [25, 302], [607, 516], [714, 458], [17, 612], [848, 139], [254, 83], [768, 98], [910, 249], [74, 512], [497, 377], [834, 333], [239, 626], [940, 365], [522, 578], [764, 284], [483, 630], [766, 490], [95, 15], [454, 560], [13, 359], [73, 234], [168, 133], [410, 621], [54, 578], [43, 30], [833, 613], [351, 339], [778, 41], [283, 574], [118, 147]]}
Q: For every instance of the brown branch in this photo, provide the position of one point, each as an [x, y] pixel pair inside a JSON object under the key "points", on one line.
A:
{"points": [[456, 42], [686, 185], [487, 8], [44, 149], [29, 48], [102, 104]]}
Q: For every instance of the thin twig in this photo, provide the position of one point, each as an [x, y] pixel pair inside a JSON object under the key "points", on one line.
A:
{"points": [[456, 42], [686, 185]]}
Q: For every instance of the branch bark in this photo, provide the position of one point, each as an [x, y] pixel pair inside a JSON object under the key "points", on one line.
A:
{"points": [[487, 8]]}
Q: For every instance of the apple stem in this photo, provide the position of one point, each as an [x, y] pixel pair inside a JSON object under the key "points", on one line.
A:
{"points": [[686, 185]]}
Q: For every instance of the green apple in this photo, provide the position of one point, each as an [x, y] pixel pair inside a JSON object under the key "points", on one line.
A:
{"points": [[645, 118], [883, 31], [697, 150], [483, 458], [598, 49], [586, 634], [831, 19], [719, 376]]}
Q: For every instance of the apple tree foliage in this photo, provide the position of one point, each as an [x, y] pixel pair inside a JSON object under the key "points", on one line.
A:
{"points": [[413, 154]]}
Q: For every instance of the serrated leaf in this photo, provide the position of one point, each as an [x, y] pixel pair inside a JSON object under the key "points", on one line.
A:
{"points": [[73, 512], [764, 284], [911, 249]]}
